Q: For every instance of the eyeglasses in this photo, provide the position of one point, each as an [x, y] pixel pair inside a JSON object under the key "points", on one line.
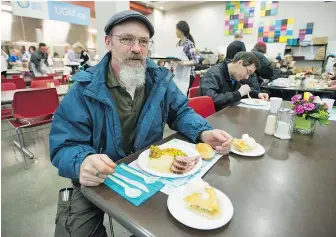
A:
{"points": [[129, 40], [248, 72]]}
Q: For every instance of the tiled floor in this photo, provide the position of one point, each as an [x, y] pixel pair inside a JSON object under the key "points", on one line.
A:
{"points": [[29, 197]]}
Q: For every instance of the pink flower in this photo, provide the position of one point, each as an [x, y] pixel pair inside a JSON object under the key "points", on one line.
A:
{"points": [[309, 106], [299, 109], [296, 98]]}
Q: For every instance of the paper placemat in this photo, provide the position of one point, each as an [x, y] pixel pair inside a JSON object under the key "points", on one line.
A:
{"points": [[173, 183], [264, 107]]}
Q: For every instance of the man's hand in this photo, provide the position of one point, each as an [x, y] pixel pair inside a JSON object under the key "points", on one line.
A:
{"points": [[218, 139], [263, 96], [244, 90], [95, 168]]}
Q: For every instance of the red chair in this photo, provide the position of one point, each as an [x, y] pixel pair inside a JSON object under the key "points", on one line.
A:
{"points": [[44, 83], [203, 105], [52, 74], [3, 76], [196, 81], [193, 92], [43, 78], [7, 113], [65, 79], [8, 86], [32, 108], [20, 83], [16, 76]]}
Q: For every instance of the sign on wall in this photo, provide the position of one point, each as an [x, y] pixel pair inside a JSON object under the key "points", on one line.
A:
{"points": [[31, 9], [52, 10]]}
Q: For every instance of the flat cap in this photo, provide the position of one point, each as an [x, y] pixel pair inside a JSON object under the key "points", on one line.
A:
{"points": [[125, 16]]}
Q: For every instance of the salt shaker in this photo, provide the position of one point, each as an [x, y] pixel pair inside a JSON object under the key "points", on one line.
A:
{"points": [[270, 125], [285, 123]]}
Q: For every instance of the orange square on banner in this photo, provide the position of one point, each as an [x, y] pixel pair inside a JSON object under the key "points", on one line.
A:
{"points": [[271, 34], [227, 17], [283, 39]]}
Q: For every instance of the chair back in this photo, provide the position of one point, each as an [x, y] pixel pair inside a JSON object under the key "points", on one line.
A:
{"points": [[19, 82], [8, 86], [65, 79], [203, 105], [16, 76], [196, 81], [3, 76], [35, 103], [44, 83], [193, 92], [43, 78], [52, 74]]}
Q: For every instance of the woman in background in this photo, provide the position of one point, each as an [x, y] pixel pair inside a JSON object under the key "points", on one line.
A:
{"points": [[28, 53], [186, 51], [84, 58]]}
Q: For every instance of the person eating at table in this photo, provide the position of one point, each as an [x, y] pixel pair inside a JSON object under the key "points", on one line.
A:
{"points": [[265, 71], [113, 109], [14, 57], [222, 81]]}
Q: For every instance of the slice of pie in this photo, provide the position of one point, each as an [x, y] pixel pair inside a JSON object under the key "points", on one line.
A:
{"points": [[205, 204]]}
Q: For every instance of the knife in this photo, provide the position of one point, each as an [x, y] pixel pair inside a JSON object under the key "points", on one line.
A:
{"points": [[130, 181], [147, 179]]}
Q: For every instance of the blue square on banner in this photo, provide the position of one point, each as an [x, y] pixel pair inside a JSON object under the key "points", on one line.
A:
{"points": [[265, 39], [277, 33], [278, 22], [309, 31], [289, 32], [270, 39], [260, 29]]}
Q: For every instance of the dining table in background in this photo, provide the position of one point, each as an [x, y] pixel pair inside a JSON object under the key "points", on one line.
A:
{"points": [[289, 191], [7, 96]]}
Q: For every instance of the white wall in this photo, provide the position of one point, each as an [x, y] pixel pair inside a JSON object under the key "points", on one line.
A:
{"points": [[207, 25]]}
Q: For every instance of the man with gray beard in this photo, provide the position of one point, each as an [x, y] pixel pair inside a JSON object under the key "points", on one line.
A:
{"points": [[113, 109]]}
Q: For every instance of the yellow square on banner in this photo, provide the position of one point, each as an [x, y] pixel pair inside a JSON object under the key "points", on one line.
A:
{"points": [[262, 12], [290, 21], [283, 39], [240, 26], [249, 30], [252, 3], [227, 17], [226, 32]]}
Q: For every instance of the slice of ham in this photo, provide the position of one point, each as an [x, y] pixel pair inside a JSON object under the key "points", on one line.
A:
{"points": [[183, 164]]}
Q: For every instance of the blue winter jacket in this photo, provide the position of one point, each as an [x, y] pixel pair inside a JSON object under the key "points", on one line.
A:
{"points": [[86, 122]]}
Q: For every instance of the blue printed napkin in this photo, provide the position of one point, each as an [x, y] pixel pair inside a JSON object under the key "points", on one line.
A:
{"points": [[153, 188]]}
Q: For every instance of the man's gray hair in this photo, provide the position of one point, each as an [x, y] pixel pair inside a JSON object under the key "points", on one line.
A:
{"points": [[248, 59], [238, 34]]}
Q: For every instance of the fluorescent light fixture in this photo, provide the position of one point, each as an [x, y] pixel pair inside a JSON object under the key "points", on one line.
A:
{"points": [[161, 7]]}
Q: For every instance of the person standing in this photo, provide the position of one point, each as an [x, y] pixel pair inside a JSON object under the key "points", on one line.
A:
{"points": [[4, 64], [39, 60], [84, 57], [185, 69], [236, 46], [26, 56]]}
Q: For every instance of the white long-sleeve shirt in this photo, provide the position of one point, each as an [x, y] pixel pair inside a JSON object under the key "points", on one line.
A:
{"points": [[4, 63]]}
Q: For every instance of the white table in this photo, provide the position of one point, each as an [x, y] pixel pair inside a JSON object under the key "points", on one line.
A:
{"points": [[7, 96]]}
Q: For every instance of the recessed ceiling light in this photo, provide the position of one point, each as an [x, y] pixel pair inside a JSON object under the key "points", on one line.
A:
{"points": [[161, 7]]}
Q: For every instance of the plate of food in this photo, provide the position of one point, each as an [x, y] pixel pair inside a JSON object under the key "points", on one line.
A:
{"points": [[257, 102], [200, 206], [170, 161], [247, 146]]}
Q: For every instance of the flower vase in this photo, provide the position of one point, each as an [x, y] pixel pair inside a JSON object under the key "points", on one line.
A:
{"points": [[304, 126]]}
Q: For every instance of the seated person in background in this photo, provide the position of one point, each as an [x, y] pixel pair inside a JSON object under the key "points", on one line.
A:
{"points": [[221, 58], [222, 81], [287, 66], [115, 108], [14, 57], [265, 71], [276, 71], [236, 46]]}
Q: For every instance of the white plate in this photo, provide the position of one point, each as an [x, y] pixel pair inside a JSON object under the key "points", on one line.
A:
{"points": [[180, 212], [256, 102], [144, 157], [258, 151]]}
